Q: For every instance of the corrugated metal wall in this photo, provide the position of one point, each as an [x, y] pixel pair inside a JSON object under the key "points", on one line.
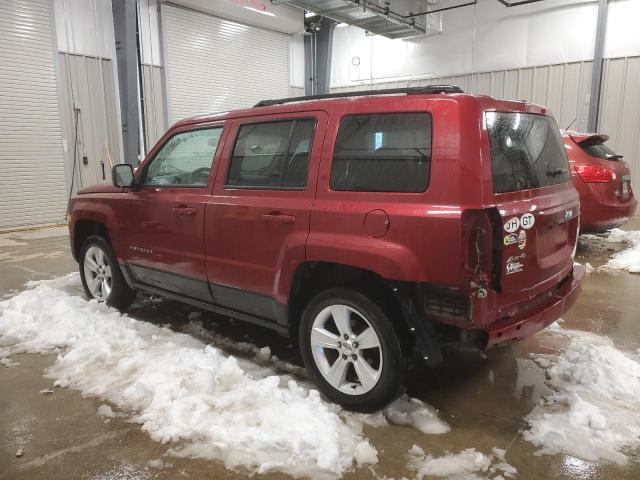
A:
{"points": [[620, 111], [214, 65], [31, 156], [90, 81], [565, 89], [154, 104]]}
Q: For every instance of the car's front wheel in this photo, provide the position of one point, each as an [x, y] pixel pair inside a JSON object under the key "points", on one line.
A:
{"points": [[101, 276], [352, 350]]}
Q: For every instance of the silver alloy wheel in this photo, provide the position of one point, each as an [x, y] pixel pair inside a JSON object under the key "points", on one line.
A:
{"points": [[346, 349], [97, 273]]}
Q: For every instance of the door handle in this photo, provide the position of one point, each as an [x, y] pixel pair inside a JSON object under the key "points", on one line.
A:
{"points": [[185, 211], [277, 217]]}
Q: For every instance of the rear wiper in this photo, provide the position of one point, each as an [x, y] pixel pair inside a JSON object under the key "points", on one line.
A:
{"points": [[614, 156], [556, 171]]}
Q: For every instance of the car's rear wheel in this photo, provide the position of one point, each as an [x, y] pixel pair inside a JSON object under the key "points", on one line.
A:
{"points": [[101, 276], [352, 350]]}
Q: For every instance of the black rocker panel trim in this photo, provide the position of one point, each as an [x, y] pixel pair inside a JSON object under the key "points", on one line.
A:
{"points": [[249, 302], [239, 304]]}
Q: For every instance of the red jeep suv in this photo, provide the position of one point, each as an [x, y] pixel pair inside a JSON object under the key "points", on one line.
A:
{"points": [[370, 228]]}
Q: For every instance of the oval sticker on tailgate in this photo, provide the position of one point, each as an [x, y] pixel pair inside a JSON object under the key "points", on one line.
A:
{"points": [[527, 220], [512, 225]]}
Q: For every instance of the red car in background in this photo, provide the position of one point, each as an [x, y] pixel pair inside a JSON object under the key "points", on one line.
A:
{"points": [[602, 179]]}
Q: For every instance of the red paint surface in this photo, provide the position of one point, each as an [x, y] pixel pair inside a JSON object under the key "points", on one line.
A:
{"points": [[601, 206], [245, 238]]}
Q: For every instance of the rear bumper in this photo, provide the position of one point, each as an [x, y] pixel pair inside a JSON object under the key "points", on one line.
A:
{"points": [[513, 329], [601, 210]]}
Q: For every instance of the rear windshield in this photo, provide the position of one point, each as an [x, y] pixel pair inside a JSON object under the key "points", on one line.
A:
{"points": [[597, 149], [526, 151]]}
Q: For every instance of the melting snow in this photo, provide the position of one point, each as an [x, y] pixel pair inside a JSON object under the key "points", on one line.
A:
{"points": [[593, 412], [179, 389], [466, 465], [183, 391], [628, 259]]}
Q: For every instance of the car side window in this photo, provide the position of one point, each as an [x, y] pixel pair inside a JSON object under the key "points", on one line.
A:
{"points": [[272, 155], [185, 159], [385, 152]]}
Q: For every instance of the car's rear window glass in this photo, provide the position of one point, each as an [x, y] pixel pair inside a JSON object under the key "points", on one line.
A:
{"points": [[526, 151], [389, 152], [599, 150]]}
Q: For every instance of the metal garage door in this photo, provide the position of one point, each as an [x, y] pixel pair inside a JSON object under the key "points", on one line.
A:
{"points": [[214, 65], [32, 182]]}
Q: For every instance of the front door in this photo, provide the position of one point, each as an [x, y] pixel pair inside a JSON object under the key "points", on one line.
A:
{"points": [[258, 217], [164, 219]]}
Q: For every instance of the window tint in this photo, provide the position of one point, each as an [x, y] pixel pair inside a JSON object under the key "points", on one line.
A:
{"points": [[526, 151], [599, 150], [272, 155], [185, 159], [388, 152]]}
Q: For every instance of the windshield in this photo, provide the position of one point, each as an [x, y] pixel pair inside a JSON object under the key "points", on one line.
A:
{"points": [[526, 151]]}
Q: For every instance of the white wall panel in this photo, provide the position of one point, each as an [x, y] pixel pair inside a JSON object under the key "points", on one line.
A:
{"points": [[623, 39], [99, 126], [257, 13], [563, 88], [85, 27], [486, 38], [148, 22], [620, 111], [215, 65], [32, 184], [154, 103]]}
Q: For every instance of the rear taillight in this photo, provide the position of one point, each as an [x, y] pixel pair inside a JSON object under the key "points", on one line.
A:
{"points": [[595, 174], [477, 237]]}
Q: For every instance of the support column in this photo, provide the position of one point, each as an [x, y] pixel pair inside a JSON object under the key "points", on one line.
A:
{"points": [[596, 77], [124, 27], [317, 59]]}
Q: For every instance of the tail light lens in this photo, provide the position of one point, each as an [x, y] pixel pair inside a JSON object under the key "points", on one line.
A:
{"points": [[595, 174], [478, 240]]}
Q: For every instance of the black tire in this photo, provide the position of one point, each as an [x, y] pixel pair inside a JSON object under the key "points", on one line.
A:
{"points": [[121, 296], [393, 375]]}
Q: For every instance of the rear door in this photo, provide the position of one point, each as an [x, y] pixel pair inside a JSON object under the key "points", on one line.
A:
{"points": [[538, 206], [257, 221]]}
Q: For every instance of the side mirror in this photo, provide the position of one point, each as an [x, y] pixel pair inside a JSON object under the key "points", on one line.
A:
{"points": [[122, 175]]}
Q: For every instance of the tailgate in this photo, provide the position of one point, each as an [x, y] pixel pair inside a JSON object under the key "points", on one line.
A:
{"points": [[539, 208], [538, 240]]}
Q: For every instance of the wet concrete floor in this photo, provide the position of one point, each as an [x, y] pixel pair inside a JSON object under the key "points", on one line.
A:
{"points": [[483, 398]]}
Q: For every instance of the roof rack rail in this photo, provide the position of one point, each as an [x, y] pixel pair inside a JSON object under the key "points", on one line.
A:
{"points": [[360, 93]]}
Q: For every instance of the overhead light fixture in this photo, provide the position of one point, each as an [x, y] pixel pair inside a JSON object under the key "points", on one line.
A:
{"points": [[308, 14], [341, 25], [263, 12]]}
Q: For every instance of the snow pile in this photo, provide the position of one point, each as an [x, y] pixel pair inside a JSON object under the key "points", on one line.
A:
{"points": [[179, 389], [628, 259], [260, 355], [404, 411], [593, 412], [413, 412], [464, 465]]}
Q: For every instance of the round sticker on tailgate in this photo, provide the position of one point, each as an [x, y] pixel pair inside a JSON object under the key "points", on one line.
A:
{"points": [[527, 220], [512, 225]]}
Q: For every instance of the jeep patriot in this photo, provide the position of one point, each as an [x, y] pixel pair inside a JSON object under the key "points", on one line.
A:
{"points": [[370, 228]]}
